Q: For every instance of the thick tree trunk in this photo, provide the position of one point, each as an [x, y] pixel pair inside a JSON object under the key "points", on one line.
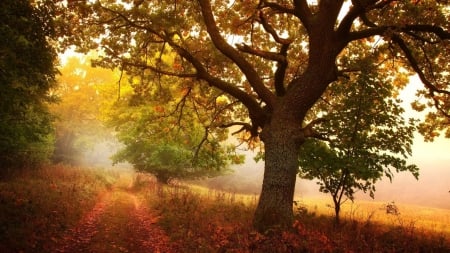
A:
{"points": [[281, 165], [283, 135]]}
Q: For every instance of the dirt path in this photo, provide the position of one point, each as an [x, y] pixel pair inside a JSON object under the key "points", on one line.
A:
{"points": [[118, 223]]}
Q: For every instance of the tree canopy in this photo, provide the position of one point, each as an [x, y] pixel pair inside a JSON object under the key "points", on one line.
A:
{"points": [[273, 60], [27, 75]]}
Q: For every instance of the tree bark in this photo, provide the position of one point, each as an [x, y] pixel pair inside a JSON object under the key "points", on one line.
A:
{"points": [[337, 210], [283, 134], [281, 166]]}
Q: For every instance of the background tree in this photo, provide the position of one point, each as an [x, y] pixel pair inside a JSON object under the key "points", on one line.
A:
{"points": [[365, 134], [166, 129], [274, 60], [27, 75], [85, 94]]}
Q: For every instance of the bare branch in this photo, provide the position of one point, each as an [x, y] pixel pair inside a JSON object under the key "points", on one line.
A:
{"points": [[359, 9], [309, 132], [199, 146], [381, 30], [254, 108], [437, 30], [263, 54], [180, 105], [303, 12], [246, 68], [251, 128], [421, 38], [280, 57], [415, 65], [280, 73], [244, 126], [158, 70], [128, 21], [119, 82], [272, 31], [367, 33], [277, 7]]}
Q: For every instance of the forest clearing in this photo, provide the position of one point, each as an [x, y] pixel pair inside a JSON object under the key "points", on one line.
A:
{"points": [[66, 209]]}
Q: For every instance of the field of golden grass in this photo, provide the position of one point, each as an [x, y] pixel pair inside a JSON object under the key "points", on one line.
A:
{"points": [[38, 207], [366, 226], [424, 218], [436, 220]]}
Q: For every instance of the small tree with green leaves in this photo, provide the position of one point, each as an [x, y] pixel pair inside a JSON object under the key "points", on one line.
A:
{"points": [[180, 143], [365, 137]]}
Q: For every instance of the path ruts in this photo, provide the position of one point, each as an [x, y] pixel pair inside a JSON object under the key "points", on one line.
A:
{"points": [[117, 223]]}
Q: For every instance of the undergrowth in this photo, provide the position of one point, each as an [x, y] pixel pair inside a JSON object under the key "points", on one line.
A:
{"points": [[218, 222], [37, 206]]}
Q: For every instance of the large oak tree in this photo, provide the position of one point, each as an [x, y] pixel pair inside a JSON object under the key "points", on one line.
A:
{"points": [[273, 59]]}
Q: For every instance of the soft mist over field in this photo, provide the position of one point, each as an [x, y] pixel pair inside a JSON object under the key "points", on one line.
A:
{"points": [[432, 188], [433, 185]]}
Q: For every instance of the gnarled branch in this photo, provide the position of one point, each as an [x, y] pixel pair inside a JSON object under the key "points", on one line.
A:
{"points": [[415, 65], [263, 54], [272, 31], [310, 132], [221, 44]]}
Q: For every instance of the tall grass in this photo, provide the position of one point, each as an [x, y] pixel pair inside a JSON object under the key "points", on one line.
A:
{"points": [[37, 206], [201, 220]]}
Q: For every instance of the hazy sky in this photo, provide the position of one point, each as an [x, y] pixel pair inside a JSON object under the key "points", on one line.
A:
{"points": [[433, 159]]}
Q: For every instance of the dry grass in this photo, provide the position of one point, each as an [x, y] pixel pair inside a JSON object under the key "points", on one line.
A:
{"points": [[428, 219], [204, 220], [37, 206]]}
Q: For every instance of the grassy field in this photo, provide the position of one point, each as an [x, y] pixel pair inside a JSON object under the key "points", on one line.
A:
{"points": [[434, 220], [429, 219], [38, 206], [206, 220]]}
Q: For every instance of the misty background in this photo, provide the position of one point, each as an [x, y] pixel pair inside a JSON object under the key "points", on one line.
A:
{"points": [[433, 158], [432, 188]]}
